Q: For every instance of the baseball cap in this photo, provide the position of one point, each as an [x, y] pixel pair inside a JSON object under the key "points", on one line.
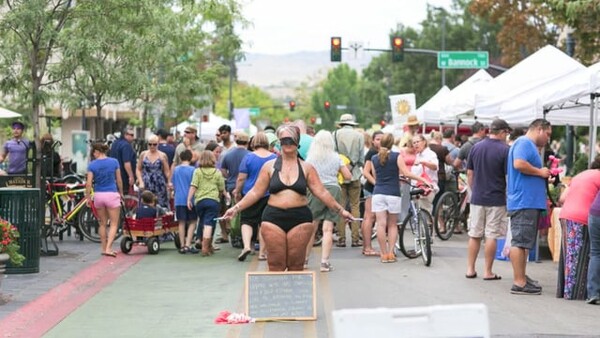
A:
{"points": [[18, 125], [500, 124], [241, 137]]}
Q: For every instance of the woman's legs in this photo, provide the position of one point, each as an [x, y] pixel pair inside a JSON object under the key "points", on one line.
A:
{"points": [[297, 239], [114, 214], [327, 242], [247, 232], [311, 241], [381, 219], [392, 231], [262, 250], [276, 244], [367, 227], [102, 220]]}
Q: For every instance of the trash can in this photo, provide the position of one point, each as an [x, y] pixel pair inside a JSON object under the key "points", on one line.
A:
{"points": [[21, 207]]}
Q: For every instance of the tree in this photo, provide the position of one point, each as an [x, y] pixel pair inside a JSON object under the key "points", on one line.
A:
{"points": [[418, 73], [248, 96], [525, 26], [582, 17], [341, 90], [30, 32]]}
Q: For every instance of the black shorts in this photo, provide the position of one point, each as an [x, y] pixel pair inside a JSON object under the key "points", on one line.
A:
{"points": [[287, 219], [252, 216], [523, 227], [182, 213]]}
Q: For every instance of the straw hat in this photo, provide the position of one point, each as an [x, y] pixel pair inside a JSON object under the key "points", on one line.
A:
{"points": [[412, 121]]}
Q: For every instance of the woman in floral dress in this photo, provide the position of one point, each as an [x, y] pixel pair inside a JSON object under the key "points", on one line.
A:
{"points": [[153, 171]]}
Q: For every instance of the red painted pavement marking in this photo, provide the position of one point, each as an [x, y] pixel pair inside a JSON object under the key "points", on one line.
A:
{"points": [[40, 315]]}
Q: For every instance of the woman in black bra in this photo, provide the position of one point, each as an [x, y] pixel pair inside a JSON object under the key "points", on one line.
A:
{"points": [[287, 221]]}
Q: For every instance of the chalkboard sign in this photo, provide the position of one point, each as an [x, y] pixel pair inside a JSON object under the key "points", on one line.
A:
{"points": [[281, 295]]}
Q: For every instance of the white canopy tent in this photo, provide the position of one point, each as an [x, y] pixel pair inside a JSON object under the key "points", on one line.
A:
{"points": [[429, 112], [7, 114], [520, 94], [461, 100], [208, 130], [562, 101]]}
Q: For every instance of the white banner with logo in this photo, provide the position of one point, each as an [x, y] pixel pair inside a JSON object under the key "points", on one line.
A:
{"points": [[402, 105]]}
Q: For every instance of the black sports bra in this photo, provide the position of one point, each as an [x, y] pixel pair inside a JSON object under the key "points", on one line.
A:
{"points": [[275, 185]]}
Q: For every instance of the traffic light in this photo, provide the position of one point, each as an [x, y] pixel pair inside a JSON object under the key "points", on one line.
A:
{"points": [[383, 123], [327, 106], [292, 105], [397, 48], [313, 120], [336, 49]]}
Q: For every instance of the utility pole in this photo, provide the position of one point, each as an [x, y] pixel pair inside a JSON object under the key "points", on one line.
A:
{"points": [[230, 101], [443, 44]]}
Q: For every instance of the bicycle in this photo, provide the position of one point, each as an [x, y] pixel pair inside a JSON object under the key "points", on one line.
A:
{"points": [[414, 238], [88, 220], [80, 215], [451, 210], [63, 203]]}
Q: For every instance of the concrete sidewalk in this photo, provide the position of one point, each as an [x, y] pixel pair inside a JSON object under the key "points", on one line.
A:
{"points": [[73, 256], [180, 295]]}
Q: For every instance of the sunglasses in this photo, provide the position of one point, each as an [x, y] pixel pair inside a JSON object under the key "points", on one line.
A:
{"points": [[152, 144], [287, 141]]}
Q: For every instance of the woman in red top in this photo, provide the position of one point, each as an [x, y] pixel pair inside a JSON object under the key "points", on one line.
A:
{"points": [[575, 249]]}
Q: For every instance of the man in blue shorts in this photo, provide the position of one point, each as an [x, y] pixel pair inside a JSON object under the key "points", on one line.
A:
{"points": [[526, 199]]}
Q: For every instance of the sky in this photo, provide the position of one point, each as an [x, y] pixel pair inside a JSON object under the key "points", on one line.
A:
{"points": [[288, 26]]}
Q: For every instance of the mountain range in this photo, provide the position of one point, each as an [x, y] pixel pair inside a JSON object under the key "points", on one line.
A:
{"points": [[279, 75]]}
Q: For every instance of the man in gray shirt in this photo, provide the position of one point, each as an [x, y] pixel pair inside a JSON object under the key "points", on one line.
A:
{"points": [[478, 131]]}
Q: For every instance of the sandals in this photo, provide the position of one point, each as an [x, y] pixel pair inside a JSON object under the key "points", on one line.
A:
{"points": [[262, 257], [370, 252], [109, 254], [243, 255], [185, 249], [221, 240]]}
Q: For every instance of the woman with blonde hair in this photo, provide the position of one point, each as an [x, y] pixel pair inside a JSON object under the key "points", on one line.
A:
{"points": [[153, 171], [205, 190], [425, 166], [388, 167], [328, 164]]}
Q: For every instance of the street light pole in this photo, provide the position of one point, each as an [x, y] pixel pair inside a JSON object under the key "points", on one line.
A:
{"points": [[443, 45]]}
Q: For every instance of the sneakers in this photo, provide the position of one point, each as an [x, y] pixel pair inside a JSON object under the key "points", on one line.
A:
{"points": [[593, 300], [528, 289], [326, 267]]}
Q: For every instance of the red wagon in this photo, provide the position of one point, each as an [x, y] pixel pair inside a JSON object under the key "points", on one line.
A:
{"points": [[149, 231]]}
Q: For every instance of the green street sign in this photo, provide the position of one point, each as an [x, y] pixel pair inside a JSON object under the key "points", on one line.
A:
{"points": [[463, 60]]}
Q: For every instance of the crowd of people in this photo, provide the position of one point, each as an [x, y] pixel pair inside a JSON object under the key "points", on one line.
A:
{"points": [[283, 195], [286, 183]]}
